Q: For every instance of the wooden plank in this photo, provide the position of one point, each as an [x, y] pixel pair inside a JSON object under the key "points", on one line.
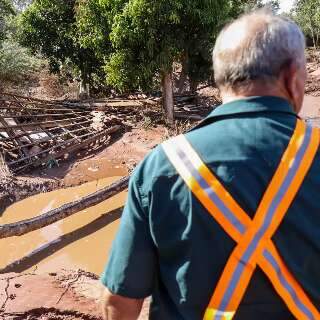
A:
{"points": [[48, 123], [11, 134]]}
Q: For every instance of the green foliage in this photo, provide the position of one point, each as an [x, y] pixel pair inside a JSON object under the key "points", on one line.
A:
{"points": [[16, 62], [6, 9], [199, 50], [307, 15], [49, 28], [274, 5], [128, 44], [94, 19], [148, 36], [124, 73]]}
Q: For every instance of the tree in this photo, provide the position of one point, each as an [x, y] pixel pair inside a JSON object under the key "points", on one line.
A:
{"points": [[49, 28], [6, 9], [199, 49], [307, 15], [94, 23], [149, 36]]}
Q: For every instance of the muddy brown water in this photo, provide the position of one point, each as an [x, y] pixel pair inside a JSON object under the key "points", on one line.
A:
{"points": [[81, 241]]}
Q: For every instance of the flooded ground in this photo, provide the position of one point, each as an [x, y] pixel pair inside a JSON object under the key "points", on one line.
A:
{"points": [[80, 241]]}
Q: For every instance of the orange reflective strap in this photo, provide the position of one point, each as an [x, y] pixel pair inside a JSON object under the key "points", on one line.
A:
{"points": [[177, 149], [280, 194], [286, 285], [253, 237]]}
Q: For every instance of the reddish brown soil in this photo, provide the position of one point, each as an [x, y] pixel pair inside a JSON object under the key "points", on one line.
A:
{"points": [[311, 105], [65, 295], [30, 295], [123, 154]]}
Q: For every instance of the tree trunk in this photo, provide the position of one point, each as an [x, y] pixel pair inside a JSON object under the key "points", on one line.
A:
{"points": [[26, 226], [182, 81], [314, 40], [312, 34], [84, 91], [167, 97], [193, 86], [183, 75]]}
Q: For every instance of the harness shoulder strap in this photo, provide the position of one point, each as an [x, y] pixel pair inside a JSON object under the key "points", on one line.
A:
{"points": [[253, 237]]}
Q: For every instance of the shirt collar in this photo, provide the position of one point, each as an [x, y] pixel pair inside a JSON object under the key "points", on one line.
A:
{"points": [[253, 104], [250, 105]]}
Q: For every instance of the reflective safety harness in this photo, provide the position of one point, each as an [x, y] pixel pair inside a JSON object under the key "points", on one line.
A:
{"points": [[253, 236]]}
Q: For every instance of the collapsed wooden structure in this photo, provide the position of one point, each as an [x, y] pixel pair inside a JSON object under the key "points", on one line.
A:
{"points": [[35, 132]]}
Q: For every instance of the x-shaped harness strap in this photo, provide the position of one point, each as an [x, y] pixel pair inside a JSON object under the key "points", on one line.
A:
{"points": [[253, 237]]}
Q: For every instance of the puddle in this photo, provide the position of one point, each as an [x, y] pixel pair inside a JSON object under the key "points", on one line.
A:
{"points": [[93, 169], [80, 241]]}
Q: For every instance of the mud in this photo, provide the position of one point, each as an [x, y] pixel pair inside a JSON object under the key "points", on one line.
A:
{"points": [[94, 169], [61, 295], [80, 241], [51, 314], [122, 155], [31, 296], [13, 189], [311, 110], [83, 241], [311, 107]]}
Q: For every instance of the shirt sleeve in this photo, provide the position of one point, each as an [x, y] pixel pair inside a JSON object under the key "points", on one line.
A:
{"points": [[131, 267]]}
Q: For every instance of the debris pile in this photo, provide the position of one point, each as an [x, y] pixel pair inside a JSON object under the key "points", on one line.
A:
{"points": [[37, 132], [187, 106]]}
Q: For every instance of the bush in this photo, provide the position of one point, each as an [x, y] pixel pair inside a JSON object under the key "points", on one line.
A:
{"points": [[16, 63]]}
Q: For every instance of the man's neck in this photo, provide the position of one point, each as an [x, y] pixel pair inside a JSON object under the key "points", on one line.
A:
{"points": [[230, 95]]}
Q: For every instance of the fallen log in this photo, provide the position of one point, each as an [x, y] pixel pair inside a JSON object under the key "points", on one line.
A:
{"points": [[22, 227]]}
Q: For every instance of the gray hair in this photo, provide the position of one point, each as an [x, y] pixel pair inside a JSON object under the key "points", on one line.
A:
{"points": [[257, 46]]}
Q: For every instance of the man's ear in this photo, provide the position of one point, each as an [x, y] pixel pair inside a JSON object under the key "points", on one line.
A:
{"points": [[290, 76]]}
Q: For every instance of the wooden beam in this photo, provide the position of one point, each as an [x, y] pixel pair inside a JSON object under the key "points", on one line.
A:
{"points": [[46, 219]]}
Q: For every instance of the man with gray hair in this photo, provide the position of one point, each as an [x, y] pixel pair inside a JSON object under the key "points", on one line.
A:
{"points": [[223, 222]]}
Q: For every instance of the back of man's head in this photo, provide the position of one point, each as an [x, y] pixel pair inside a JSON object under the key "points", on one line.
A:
{"points": [[257, 47]]}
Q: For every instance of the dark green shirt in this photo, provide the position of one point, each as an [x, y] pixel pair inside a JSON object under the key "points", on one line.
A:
{"points": [[169, 247]]}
